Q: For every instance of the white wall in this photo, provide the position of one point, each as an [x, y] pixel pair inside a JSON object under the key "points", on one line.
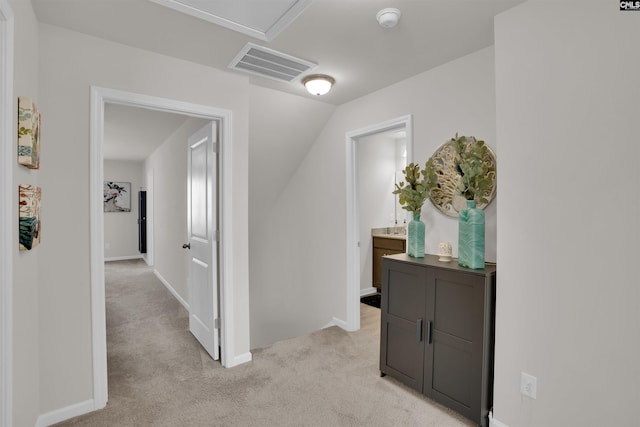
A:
{"points": [[282, 129], [69, 63], [376, 170], [568, 294], [121, 228], [456, 97], [25, 263], [169, 164], [298, 253]]}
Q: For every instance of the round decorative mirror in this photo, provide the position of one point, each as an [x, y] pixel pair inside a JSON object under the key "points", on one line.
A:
{"points": [[447, 196]]}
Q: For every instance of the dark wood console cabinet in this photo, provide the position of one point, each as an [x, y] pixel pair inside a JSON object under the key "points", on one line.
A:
{"points": [[437, 331]]}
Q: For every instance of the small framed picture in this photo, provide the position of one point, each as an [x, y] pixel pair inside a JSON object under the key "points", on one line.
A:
{"points": [[117, 196], [28, 133], [29, 216]]}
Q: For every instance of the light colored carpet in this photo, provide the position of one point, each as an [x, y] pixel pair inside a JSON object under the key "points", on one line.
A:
{"points": [[159, 375]]}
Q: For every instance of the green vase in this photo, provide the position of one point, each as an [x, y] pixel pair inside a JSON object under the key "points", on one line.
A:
{"points": [[471, 236], [415, 237]]}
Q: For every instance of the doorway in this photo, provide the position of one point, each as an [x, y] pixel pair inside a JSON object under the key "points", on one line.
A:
{"points": [[132, 138], [353, 284], [100, 97], [380, 159]]}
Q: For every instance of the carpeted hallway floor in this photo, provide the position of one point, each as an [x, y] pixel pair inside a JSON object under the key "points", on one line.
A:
{"points": [[159, 376]]}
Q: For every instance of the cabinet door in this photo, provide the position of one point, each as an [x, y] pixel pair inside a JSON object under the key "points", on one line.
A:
{"points": [[402, 322], [383, 246], [454, 356]]}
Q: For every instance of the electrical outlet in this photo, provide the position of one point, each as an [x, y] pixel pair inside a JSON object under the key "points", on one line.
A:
{"points": [[528, 385], [107, 245]]}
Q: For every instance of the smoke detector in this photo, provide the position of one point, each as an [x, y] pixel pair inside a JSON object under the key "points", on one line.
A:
{"points": [[388, 18]]}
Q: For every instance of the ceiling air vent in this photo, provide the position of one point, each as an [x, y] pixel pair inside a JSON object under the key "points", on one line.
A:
{"points": [[269, 63]]}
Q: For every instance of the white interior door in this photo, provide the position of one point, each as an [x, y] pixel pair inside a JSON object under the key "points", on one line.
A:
{"points": [[202, 231]]}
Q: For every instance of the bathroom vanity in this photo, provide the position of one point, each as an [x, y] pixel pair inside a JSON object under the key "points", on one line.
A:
{"points": [[386, 241], [437, 331]]}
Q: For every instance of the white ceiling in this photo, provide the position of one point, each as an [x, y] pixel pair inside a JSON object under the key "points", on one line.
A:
{"points": [[132, 133], [342, 36]]}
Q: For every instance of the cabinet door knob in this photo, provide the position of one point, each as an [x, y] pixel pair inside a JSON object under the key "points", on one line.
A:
{"points": [[429, 332], [419, 330], [186, 246]]}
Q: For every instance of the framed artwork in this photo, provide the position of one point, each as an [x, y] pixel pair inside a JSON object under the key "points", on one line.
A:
{"points": [[447, 197], [28, 133], [117, 196], [29, 216]]}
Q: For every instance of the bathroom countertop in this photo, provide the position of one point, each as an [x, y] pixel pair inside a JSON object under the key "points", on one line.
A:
{"points": [[398, 232]]}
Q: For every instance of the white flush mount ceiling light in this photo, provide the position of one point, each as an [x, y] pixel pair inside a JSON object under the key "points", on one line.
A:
{"points": [[318, 84], [388, 18]]}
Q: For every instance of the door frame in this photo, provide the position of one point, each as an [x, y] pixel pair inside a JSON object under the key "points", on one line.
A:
{"points": [[100, 96], [7, 209], [148, 257], [352, 322]]}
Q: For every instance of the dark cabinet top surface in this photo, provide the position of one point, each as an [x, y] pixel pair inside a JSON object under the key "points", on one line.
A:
{"points": [[432, 261]]}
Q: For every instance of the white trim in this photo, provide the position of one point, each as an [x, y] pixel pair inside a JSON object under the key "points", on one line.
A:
{"points": [[494, 422], [330, 324], [353, 251], [239, 360], [100, 96], [289, 16], [148, 257], [340, 323], [7, 243], [171, 289], [123, 258], [368, 291], [96, 221], [66, 413]]}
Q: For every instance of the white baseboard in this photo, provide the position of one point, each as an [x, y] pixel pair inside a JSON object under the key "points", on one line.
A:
{"points": [[328, 325], [368, 291], [123, 258], [495, 423], [171, 289], [239, 360], [340, 323], [67, 413]]}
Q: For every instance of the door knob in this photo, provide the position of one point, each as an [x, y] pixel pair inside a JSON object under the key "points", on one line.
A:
{"points": [[186, 246]]}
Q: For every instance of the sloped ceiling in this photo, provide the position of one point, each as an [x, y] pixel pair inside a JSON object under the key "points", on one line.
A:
{"points": [[279, 139]]}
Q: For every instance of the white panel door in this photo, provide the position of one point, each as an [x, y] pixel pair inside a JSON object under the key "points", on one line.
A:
{"points": [[202, 230]]}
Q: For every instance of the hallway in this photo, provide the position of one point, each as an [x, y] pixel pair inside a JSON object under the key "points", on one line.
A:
{"points": [[160, 376]]}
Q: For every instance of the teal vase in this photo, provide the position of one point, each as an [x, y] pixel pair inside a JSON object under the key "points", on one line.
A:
{"points": [[471, 236], [415, 237]]}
